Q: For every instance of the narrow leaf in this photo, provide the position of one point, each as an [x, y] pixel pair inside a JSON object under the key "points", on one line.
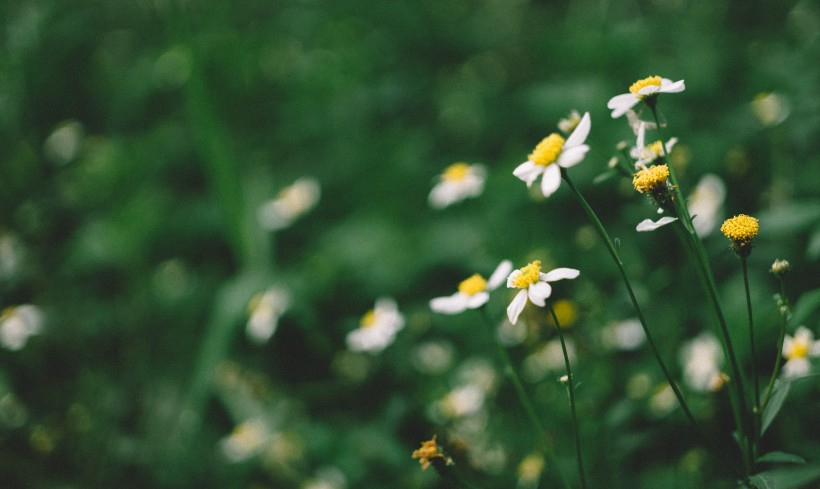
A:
{"points": [[760, 481], [781, 457], [794, 477], [781, 390]]}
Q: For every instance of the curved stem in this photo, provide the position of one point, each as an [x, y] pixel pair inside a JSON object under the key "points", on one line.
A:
{"points": [[756, 407], [783, 306], [571, 392]]}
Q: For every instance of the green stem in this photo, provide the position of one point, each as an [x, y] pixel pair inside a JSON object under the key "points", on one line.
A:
{"points": [[756, 407], [783, 306], [708, 281], [571, 392], [524, 398]]}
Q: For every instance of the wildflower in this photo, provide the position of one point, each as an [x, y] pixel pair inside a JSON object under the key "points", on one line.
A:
{"points": [[547, 358], [650, 225], [472, 292], [646, 90], [770, 109], [458, 182], [529, 470], [705, 204], [246, 440], [429, 453], [625, 335], [742, 230], [797, 350], [652, 180], [701, 358], [552, 154], [534, 285], [780, 267], [265, 310], [377, 328], [291, 203], [18, 324], [645, 154], [569, 123]]}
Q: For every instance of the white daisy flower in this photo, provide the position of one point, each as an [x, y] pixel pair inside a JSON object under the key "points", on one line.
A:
{"points": [[246, 440], [797, 350], [18, 324], [292, 202], [265, 310], [458, 182], [473, 292], [552, 154], [647, 154], [534, 286], [645, 90], [701, 358], [705, 204], [377, 328], [650, 225]]}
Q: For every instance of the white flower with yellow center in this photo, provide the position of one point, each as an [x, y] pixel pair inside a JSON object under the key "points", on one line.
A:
{"points": [[534, 286], [473, 292], [705, 204], [646, 154], [643, 90], [377, 328], [797, 350], [702, 358], [18, 324], [458, 182], [264, 310], [552, 154], [291, 203]]}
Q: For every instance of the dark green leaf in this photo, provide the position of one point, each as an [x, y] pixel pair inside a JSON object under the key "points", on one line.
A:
{"points": [[781, 457], [781, 390]]}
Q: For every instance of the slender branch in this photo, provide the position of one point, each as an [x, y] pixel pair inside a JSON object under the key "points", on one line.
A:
{"points": [[756, 406], [783, 306]]}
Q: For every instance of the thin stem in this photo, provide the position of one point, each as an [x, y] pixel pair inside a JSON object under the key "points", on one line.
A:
{"points": [[783, 306], [524, 398], [571, 393], [756, 407]]}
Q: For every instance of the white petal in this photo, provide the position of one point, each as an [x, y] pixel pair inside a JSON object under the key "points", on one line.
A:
{"points": [[516, 306], [667, 86], [572, 156], [641, 141], [551, 180], [528, 172], [477, 300], [454, 304], [560, 274], [499, 275], [650, 225], [441, 196], [622, 103], [538, 293], [579, 135]]}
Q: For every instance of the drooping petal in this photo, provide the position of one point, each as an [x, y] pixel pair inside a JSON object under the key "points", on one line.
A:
{"points": [[502, 271], [454, 304], [572, 156], [477, 300], [668, 86], [650, 225], [528, 172], [579, 135], [538, 293], [560, 274], [551, 180], [516, 306], [620, 104]]}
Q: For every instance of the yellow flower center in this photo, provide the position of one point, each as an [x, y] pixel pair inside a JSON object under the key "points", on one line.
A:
{"points": [[547, 151], [656, 148], [369, 319], [528, 276], [800, 349], [472, 285], [649, 179], [741, 228], [456, 172], [646, 82]]}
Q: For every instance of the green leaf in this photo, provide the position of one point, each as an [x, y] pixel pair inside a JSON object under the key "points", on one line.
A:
{"points": [[781, 458], [781, 390], [790, 478], [805, 306], [760, 481]]}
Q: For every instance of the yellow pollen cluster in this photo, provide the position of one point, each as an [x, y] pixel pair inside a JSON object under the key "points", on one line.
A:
{"points": [[369, 319], [456, 172], [547, 151], [656, 148], [741, 228], [638, 85], [429, 450], [472, 285], [528, 276], [649, 179]]}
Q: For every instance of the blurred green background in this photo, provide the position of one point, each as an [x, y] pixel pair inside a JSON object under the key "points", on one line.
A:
{"points": [[138, 140]]}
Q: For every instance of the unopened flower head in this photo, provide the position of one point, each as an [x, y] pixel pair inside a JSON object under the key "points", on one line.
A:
{"points": [[429, 453], [473, 292], [742, 230], [797, 350], [780, 267], [552, 154], [377, 328], [534, 286], [459, 181], [291, 203], [646, 90]]}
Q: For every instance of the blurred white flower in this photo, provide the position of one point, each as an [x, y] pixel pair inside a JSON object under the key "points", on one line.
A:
{"points": [[11, 255], [546, 359], [552, 154], [327, 477], [510, 334], [473, 292], [663, 400], [705, 204], [433, 357], [64, 143], [291, 203], [770, 109], [644, 154], [377, 328], [569, 123], [529, 471], [246, 440], [702, 358], [624, 335], [797, 350], [647, 88], [650, 225], [458, 182], [265, 309], [534, 286], [18, 324], [461, 401]]}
